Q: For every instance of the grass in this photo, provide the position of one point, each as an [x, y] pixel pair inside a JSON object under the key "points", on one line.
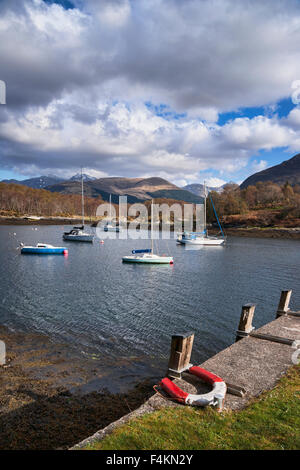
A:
{"points": [[270, 422]]}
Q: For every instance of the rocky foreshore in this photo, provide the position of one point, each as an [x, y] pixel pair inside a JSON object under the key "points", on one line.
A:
{"points": [[48, 397]]}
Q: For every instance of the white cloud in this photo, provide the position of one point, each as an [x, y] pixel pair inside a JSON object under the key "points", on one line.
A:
{"points": [[214, 182], [77, 81], [259, 165]]}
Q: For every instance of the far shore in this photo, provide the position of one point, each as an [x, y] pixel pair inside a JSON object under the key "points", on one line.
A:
{"points": [[253, 232]]}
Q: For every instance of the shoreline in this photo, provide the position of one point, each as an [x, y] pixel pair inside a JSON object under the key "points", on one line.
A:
{"points": [[48, 395], [42, 221], [252, 232]]}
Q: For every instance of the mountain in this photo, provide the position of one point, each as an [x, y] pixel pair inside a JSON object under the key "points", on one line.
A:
{"points": [[288, 170], [198, 189], [85, 177], [136, 189], [41, 182]]}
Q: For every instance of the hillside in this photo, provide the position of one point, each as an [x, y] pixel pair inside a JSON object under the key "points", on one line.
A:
{"points": [[288, 170], [136, 189], [40, 182]]}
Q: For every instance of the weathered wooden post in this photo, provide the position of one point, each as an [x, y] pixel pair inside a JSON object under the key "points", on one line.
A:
{"points": [[2, 353], [245, 325], [180, 354], [283, 306]]}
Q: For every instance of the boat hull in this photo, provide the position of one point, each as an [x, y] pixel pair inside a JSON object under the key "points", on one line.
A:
{"points": [[142, 260], [111, 229], [202, 241], [43, 251], [79, 238]]}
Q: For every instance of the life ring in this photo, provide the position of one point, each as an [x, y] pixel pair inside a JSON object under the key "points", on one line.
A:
{"points": [[215, 397]]}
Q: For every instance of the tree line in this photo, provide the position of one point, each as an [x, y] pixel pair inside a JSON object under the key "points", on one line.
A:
{"points": [[233, 200], [17, 200]]}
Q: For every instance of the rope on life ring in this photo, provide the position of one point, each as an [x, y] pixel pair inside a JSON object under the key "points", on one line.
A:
{"points": [[215, 397]]}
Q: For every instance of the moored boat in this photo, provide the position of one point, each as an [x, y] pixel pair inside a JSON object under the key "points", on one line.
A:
{"points": [[78, 234], [43, 249], [110, 227], [202, 238], [148, 256]]}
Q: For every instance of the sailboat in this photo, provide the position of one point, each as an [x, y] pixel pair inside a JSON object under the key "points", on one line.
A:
{"points": [[78, 234], [109, 227], [148, 256], [202, 238]]}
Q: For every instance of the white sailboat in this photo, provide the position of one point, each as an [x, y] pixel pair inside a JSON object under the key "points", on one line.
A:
{"points": [[148, 256], [202, 238], [78, 234], [109, 227]]}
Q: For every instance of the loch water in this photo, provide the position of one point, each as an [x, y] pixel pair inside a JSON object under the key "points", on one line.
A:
{"points": [[124, 314]]}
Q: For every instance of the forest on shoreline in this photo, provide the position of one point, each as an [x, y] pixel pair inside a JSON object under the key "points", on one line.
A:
{"points": [[265, 204]]}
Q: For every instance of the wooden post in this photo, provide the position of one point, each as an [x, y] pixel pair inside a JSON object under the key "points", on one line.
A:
{"points": [[245, 325], [2, 353], [180, 355], [283, 306]]}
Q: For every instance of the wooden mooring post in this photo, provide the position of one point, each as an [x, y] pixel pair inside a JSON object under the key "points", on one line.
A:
{"points": [[180, 354], [247, 329], [245, 325], [2, 353], [283, 306]]}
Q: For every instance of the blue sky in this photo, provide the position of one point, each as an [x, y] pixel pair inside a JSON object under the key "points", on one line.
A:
{"points": [[183, 90]]}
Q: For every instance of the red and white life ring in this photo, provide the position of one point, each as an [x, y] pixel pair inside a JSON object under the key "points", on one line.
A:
{"points": [[215, 397]]}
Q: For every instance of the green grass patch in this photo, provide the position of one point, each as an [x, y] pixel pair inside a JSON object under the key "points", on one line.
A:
{"points": [[270, 422]]}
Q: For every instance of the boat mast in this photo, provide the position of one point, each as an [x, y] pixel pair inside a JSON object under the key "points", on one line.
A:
{"points": [[82, 199], [110, 208], [152, 226], [205, 206]]}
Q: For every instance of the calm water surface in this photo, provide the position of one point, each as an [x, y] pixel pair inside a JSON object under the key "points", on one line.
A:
{"points": [[126, 314]]}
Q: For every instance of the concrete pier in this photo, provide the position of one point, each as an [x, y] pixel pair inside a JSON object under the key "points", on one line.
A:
{"points": [[252, 363]]}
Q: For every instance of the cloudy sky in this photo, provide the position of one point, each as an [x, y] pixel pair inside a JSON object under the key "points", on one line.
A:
{"points": [[187, 90]]}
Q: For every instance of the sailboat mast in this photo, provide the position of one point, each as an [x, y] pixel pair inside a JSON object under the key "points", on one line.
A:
{"points": [[110, 207], [82, 199], [204, 206], [152, 226]]}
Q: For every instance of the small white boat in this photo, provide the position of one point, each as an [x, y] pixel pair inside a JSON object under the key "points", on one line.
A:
{"points": [[78, 234], [192, 238], [202, 238], [148, 256], [109, 227], [145, 256]]}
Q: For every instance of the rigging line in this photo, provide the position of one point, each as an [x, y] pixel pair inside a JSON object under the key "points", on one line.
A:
{"points": [[220, 227]]}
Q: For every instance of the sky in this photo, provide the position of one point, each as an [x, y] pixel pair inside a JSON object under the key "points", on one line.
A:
{"points": [[186, 90]]}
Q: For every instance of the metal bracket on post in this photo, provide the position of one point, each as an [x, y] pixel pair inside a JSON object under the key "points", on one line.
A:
{"points": [[180, 354]]}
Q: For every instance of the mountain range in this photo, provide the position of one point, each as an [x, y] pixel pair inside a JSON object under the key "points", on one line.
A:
{"points": [[288, 170], [141, 189], [136, 189], [42, 182]]}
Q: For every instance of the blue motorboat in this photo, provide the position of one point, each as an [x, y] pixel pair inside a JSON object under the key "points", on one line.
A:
{"points": [[43, 249]]}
